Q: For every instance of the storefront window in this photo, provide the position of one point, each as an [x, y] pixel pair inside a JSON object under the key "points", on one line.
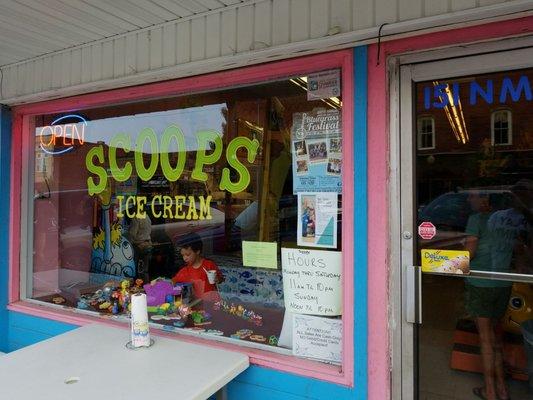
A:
{"points": [[224, 207]]}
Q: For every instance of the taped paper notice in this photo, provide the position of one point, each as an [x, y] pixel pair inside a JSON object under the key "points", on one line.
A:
{"points": [[317, 337], [260, 254]]}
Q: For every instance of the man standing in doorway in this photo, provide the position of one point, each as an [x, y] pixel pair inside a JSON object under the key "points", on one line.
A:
{"points": [[491, 241]]}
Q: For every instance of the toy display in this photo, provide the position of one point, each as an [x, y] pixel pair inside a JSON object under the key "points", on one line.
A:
{"points": [[214, 332], [200, 317], [239, 311], [58, 300], [170, 308], [158, 290], [244, 333]]}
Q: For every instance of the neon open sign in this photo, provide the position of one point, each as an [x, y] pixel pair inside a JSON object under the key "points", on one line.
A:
{"points": [[59, 138]]}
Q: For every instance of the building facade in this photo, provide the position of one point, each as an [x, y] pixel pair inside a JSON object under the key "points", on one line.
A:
{"points": [[359, 134]]}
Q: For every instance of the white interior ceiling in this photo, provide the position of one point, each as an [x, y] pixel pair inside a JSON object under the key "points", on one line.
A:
{"points": [[31, 28]]}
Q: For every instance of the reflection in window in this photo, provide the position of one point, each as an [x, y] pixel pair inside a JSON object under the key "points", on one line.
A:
{"points": [[426, 133], [501, 127]]}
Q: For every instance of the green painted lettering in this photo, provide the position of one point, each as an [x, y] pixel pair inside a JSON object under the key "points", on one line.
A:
{"points": [[205, 139], [92, 187], [231, 155], [144, 173], [172, 132], [120, 174]]}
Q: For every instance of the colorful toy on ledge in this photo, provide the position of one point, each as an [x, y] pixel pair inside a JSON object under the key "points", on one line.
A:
{"points": [[113, 298], [200, 318], [161, 291], [170, 302], [239, 311]]}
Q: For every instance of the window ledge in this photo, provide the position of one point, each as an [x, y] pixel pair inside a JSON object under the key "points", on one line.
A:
{"points": [[280, 362]]}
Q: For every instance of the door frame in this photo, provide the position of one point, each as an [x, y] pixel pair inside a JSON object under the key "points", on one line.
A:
{"points": [[403, 71]]}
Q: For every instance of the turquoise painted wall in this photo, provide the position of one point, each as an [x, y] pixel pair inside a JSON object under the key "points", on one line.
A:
{"points": [[19, 330]]}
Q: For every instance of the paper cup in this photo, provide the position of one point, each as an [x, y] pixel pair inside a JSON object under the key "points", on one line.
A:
{"points": [[211, 276]]}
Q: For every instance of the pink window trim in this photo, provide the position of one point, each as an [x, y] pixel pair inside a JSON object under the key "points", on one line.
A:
{"points": [[255, 74]]}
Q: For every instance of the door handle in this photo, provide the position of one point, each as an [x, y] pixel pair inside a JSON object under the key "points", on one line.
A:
{"points": [[413, 298]]}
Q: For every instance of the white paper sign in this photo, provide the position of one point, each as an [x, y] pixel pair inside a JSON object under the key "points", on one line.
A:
{"points": [[317, 337], [312, 281], [323, 85], [317, 220]]}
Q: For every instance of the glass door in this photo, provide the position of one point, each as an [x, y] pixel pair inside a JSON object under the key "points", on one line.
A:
{"points": [[467, 248]]}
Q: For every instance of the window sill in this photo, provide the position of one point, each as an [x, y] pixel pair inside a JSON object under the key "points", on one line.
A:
{"points": [[280, 362]]}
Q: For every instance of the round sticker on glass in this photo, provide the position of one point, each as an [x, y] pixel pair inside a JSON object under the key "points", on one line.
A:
{"points": [[426, 230]]}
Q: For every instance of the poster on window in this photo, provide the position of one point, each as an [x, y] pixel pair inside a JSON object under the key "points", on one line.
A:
{"points": [[317, 220], [317, 337], [323, 85], [317, 151]]}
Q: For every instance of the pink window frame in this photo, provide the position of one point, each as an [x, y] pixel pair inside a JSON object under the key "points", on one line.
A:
{"points": [[243, 76]]}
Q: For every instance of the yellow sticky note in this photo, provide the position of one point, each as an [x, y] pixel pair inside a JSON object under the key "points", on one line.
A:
{"points": [[260, 254], [445, 261]]}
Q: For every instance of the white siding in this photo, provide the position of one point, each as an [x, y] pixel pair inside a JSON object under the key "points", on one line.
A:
{"points": [[185, 33]]}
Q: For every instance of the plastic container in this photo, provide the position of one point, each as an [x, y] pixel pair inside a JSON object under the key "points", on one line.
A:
{"points": [[527, 332]]}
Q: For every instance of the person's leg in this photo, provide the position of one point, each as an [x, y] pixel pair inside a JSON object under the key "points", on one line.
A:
{"points": [[501, 302], [486, 339], [499, 373]]}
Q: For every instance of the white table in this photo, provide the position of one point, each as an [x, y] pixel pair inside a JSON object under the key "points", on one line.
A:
{"points": [[96, 354]]}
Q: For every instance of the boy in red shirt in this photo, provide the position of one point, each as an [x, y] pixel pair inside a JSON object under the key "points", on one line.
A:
{"points": [[196, 268]]}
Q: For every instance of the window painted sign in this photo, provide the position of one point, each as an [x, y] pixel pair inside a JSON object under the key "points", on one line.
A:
{"points": [[159, 155], [234, 181], [441, 95]]}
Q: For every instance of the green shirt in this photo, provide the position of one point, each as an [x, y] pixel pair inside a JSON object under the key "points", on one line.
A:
{"points": [[477, 226]]}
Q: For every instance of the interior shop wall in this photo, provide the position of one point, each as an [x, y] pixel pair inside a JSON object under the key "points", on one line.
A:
{"points": [[5, 151], [256, 382]]}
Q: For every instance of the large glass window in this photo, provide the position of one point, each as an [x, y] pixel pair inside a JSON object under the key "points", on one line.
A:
{"points": [[224, 207]]}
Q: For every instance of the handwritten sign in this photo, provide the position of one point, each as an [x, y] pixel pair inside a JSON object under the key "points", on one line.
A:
{"points": [[260, 254], [312, 281], [317, 337]]}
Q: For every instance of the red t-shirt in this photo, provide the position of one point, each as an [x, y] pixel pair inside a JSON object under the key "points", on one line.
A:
{"points": [[198, 277]]}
